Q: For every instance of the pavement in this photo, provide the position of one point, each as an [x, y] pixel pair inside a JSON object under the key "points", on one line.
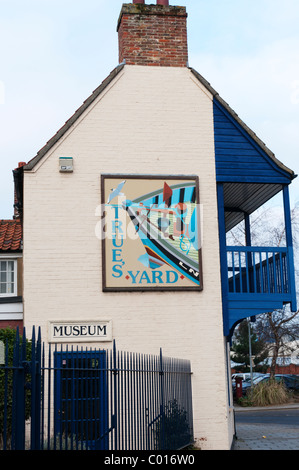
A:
{"points": [[266, 436]]}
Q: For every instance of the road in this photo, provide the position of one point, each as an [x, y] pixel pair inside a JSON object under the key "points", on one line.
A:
{"points": [[267, 429], [281, 417]]}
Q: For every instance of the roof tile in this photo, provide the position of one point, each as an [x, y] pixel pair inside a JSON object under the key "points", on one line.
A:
{"points": [[10, 235]]}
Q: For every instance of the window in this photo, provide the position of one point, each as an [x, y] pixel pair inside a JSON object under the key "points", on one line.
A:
{"points": [[8, 278]]}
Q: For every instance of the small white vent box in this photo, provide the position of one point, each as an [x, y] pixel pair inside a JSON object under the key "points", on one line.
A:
{"points": [[66, 164]]}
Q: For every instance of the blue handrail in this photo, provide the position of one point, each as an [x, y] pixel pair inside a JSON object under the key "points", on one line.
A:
{"points": [[258, 249], [258, 270]]}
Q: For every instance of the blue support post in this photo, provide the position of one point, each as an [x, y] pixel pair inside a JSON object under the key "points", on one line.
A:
{"points": [[289, 241], [249, 257], [223, 257], [247, 229]]}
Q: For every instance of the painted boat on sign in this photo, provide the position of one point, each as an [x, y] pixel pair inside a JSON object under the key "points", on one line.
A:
{"points": [[167, 224]]}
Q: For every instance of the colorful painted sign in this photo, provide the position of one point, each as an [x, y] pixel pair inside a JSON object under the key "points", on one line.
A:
{"points": [[151, 236]]}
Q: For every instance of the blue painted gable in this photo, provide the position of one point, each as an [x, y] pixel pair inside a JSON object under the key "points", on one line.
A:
{"points": [[239, 158]]}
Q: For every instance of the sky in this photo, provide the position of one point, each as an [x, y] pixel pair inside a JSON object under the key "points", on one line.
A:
{"points": [[53, 54]]}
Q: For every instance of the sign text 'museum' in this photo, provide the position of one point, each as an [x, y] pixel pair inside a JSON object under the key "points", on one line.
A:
{"points": [[80, 331]]}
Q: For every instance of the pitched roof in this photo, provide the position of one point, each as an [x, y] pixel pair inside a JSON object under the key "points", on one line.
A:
{"points": [[31, 164], [73, 118], [241, 123], [10, 235]]}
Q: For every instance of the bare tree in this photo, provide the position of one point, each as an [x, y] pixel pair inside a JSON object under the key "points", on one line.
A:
{"points": [[267, 228], [280, 331]]}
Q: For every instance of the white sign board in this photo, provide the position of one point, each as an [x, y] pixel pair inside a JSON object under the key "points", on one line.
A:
{"points": [[85, 331]]}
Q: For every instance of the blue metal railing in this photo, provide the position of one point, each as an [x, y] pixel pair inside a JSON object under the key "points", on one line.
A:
{"points": [[93, 399], [258, 270]]}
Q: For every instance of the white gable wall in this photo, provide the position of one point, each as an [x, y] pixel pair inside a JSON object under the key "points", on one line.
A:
{"points": [[149, 120]]}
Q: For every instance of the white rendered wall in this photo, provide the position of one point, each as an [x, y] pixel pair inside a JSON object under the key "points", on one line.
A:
{"points": [[149, 120]]}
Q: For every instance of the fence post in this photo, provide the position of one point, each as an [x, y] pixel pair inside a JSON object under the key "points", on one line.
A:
{"points": [[35, 390], [162, 410], [18, 402], [6, 373], [114, 416]]}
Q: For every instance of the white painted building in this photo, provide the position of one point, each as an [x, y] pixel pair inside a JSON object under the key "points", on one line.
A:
{"points": [[151, 120]]}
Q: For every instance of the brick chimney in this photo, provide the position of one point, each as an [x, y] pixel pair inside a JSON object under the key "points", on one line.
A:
{"points": [[153, 34]]}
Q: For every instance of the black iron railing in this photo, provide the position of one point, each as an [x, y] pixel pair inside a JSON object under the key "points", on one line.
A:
{"points": [[73, 399]]}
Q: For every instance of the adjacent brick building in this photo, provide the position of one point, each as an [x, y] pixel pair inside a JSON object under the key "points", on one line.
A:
{"points": [[11, 274]]}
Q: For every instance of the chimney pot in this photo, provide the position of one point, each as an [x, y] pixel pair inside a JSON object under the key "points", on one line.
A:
{"points": [[138, 1], [163, 2]]}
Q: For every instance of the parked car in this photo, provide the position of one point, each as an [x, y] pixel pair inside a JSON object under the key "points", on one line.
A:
{"points": [[246, 377], [291, 382]]}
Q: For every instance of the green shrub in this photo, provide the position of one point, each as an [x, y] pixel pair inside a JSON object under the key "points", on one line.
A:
{"points": [[244, 401], [173, 432], [64, 443], [8, 337]]}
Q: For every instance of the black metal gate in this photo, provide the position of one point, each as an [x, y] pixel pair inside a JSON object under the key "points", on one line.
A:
{"points": [[85, 399], [81, 398]]}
